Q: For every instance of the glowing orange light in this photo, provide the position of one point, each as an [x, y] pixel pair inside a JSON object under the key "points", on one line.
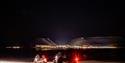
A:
{"points": [[45, 60], [76, 59]]}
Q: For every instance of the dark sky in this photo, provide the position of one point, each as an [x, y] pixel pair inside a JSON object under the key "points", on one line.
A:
{"points": [[61, 20]]}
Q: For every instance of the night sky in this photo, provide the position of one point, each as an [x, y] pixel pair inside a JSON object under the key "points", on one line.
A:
{"points": [[26, 20]]}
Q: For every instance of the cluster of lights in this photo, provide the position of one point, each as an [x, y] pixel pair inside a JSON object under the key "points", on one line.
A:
{"points": [[76, 47], [14, 47]]}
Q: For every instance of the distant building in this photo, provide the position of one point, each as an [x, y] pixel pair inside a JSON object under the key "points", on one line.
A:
{"points": [[44, 41], [95, 41], [79, 41], [103, 41]]}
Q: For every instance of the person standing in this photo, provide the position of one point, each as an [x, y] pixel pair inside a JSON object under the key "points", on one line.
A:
{"points": [[36, 59], [58, 58], [43, 59]]}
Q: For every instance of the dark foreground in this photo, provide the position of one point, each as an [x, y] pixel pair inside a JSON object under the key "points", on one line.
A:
{"points": [[86, 56], [91, 61]]}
